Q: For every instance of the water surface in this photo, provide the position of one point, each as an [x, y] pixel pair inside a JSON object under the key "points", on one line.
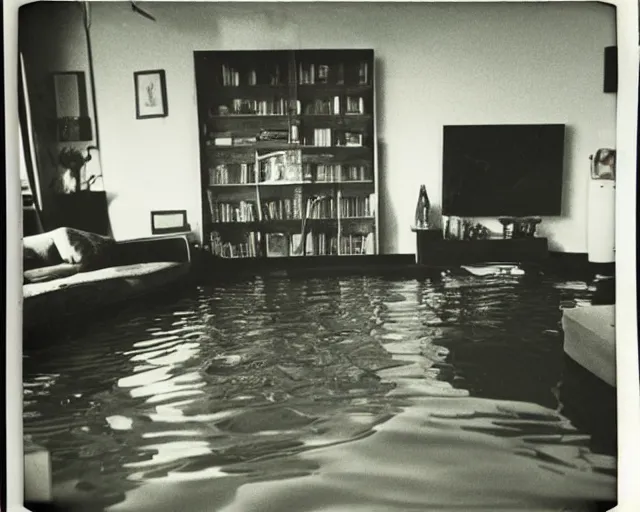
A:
{"points": [[325, 394]]}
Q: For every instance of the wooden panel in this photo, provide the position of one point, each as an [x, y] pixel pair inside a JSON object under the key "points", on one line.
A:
{"points": [[460, 252]]}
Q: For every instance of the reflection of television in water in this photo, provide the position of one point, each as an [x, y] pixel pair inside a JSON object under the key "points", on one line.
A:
{"points": [[509, 170]]}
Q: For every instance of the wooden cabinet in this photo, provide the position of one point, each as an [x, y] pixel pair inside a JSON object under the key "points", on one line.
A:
{"points": [[287, 141], [433, 250]]}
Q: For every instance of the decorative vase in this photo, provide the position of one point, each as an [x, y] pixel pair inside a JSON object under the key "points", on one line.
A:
{"points": [[507, 226], [422, 209]]}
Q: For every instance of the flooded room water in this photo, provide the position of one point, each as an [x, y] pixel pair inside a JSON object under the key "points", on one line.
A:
{"points": [[319, 394]]}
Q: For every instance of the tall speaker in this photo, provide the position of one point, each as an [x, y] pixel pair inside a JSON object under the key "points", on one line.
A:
{"points": [[611, 69], [601, 208]]}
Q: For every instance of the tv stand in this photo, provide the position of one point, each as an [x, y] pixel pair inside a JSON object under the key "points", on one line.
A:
{"points": [[434, 251]]}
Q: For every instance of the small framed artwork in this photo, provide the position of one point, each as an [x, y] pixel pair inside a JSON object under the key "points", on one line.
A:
{"points": [[151, 94], [169, 221]]}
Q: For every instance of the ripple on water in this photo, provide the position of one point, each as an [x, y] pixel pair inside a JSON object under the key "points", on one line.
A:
{"points": [[319, 395]]}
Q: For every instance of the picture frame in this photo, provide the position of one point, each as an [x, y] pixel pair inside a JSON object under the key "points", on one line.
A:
{"points": [[151, 94], [169, 221]]}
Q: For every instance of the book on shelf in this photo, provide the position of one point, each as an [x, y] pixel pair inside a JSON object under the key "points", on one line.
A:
{"points": [[225, 141], [241, 106], [232, 174], [356, 206], [322, 137], [296, 247], [279, 166], [353, 139], [241, 211], [306, 73], [222, 141], [281, 209], [277, 245], [357, 244], [323, 207], [323, 73], [363, 72], [323, 106], [354, 105], [311, 73], [232, 77], [321, 244], [279, 135], [337, 172], [249, 247], [244, 141]]}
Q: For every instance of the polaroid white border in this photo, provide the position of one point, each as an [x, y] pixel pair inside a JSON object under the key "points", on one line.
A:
{"points": [[626, 312]]}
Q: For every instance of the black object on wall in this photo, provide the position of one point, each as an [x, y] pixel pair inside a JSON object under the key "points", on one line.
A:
{"points": [[86, 210], [611, 69]]}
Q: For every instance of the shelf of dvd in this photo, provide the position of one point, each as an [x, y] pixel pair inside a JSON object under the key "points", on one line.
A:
{"points": [[287, 152]]}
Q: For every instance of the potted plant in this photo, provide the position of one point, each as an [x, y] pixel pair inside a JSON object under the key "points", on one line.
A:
{"points": [[72, 160]]}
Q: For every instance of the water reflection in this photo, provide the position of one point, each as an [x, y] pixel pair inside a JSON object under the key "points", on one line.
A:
{"points": [[319, 394]]}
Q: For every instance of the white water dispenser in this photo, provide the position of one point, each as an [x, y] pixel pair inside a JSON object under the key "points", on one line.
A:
{"points": [[601, 207]]}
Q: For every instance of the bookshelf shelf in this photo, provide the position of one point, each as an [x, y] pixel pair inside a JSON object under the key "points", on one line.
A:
{"points": [[287, 149], [291, 183]]}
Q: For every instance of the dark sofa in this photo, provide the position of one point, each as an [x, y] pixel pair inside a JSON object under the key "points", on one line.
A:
{"points": [[69, 272]]}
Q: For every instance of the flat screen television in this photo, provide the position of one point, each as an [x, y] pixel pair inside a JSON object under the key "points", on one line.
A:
{"points": [[503, 170]]}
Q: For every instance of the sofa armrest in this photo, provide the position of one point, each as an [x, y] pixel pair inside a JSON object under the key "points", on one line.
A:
{"points": [[148, 250]]}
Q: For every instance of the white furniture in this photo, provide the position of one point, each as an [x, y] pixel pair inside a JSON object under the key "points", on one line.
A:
{"points": [[589, 339], [601, 221], [37, 474]]}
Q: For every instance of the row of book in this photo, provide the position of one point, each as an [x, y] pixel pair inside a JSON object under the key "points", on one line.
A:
{"points": [[281, 166], [351, 105], [242, 211], [338, 172], [311, 73], [323, 207], [326, 137], [227, 174], [273, 107], [233, 77], [308, 73], [285, 244], [282, 209], [273, 171], [357, 244], [333, 106], [228, 141], [357, 206], [321, 137], [250, 248]]}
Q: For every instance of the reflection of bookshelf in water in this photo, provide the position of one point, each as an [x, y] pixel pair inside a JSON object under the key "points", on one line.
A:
{"points": [[287, 152]]}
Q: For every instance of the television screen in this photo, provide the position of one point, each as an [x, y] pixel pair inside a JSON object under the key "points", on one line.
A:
{"points": [[503, 170]]}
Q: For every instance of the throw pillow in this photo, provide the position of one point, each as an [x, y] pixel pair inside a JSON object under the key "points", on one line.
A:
{"points": [[50, 273], [39, 251], [89, 250]]}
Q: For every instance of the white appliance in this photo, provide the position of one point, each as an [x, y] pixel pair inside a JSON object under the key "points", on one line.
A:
{"points": [[601, 207]]}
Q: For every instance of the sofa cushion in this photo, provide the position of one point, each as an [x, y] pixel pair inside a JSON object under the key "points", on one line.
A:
{"points": [[51, 272], [89, 250], [39, 251]]}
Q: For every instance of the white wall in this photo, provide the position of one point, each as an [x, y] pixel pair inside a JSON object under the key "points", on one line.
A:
{"points": [[437, 64]]}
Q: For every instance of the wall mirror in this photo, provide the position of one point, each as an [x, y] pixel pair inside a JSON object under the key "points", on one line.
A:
{"points": [[72, 109]]}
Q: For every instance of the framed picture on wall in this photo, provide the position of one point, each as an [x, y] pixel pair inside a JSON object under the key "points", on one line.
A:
{"points": [[151, 94]]}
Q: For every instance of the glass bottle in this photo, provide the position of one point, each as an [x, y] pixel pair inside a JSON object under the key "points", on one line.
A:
{"points": [[422, 209]]}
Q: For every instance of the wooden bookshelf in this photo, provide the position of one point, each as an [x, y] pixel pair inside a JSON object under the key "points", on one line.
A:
{"points": [[287, 144]]}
